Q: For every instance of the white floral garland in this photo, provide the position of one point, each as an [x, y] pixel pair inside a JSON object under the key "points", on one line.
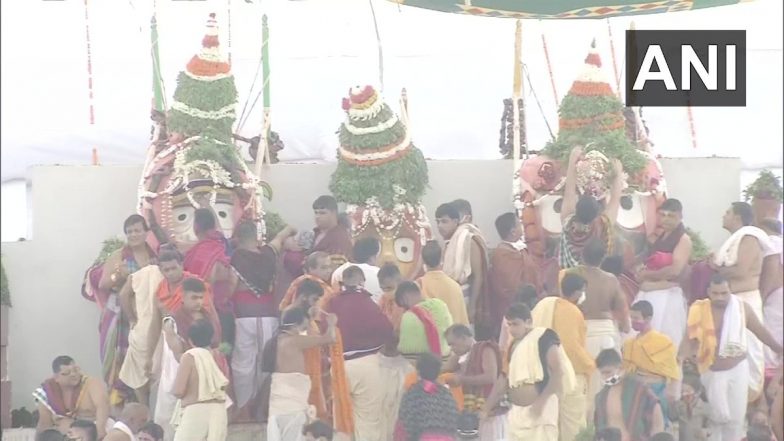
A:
{"points": [[375, 156], [225, 112], [388, 222], [378, 128], [369, 112]]}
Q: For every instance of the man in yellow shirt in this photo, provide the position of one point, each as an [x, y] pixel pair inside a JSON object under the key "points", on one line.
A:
{"points": [[652, 356], [435, 284], [562, 315]]}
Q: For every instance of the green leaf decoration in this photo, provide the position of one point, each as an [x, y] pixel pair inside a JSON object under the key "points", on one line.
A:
{"points": [[206, 96], [766, 186], [274, 223], [699, 249], [207, 149], [109, 246], [5, 294], [355, 184]]}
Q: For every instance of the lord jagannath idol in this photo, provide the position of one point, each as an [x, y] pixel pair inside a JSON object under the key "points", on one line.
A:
{"points": [[592, 117], [381, 177], [197, 164], [192, 163]]}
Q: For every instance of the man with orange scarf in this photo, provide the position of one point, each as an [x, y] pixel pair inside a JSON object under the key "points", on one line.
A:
{"points": [[318, 268], [325, 367]]}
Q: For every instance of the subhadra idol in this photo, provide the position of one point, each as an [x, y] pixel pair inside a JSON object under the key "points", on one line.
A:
{"points": [[591, 116], [381, 176]]}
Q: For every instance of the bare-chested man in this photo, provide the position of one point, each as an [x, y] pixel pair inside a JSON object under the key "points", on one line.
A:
{"points": [[669, 253], [739, 260], [133, 417], [605, 309], [200, 386], [284, 357], [772, 290], [534, 384], [718, 342], [69, 395]]}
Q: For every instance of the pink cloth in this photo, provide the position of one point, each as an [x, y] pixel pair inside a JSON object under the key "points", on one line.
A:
{"points": [[658, 260]]}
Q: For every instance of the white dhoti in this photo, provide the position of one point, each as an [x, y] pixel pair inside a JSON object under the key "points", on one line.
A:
{"points": [[252, 334], [755, 348], [494, 429], [393, 371], [773, 313], [203, 422], [599, 335], [727, 393], [367, 396], [145, 284], [669, 312], [289, 410], [165, 402], [523, 426]]}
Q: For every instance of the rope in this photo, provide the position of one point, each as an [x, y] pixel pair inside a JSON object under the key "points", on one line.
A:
{"points": [[550, 69], [380, 49], [89, 64], [538, 104], [615, 63], [228, 24], [243, 118]]}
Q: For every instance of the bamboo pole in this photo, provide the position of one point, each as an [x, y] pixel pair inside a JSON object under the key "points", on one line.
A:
{"points": [[517, 92], [262, 155]]}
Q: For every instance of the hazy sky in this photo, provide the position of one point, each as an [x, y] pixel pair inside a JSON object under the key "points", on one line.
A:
{"points": [[457, 70]]}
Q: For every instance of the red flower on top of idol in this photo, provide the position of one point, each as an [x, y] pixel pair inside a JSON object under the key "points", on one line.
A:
{"points": [[359, 95]]}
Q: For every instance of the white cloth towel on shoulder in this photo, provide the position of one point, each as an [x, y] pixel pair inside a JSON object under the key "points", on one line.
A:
{"points": [[728, 253]]}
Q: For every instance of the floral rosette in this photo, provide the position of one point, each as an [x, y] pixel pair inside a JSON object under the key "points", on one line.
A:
{"points": [[593, 174]]}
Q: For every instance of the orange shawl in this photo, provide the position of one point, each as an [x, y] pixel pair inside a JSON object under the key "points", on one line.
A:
{"points": [[291, 293], [700, 327], [173, 300], [390, 309], [342, 414]]}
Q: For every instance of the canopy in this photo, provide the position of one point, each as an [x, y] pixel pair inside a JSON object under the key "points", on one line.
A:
{"points": [[563, 9]]}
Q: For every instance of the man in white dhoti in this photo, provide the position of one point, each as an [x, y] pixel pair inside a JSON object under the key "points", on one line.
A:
{"points": [[717, 339], [605, 310], [739, 260], [255, 311], [284, 358], [138, 304], [200, 385], [659, 279], [772, 290]]}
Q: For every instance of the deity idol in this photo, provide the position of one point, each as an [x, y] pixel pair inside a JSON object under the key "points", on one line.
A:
{"points": [[593, 117], [381, 176], [194, 165], [197, 165]]}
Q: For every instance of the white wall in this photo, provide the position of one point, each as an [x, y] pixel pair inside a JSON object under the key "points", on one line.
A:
{"points": [[76, 208]]}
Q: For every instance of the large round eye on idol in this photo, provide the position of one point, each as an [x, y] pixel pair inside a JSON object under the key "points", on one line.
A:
{"points": [[183, 215], [404, 249], [224, 213], [549, 208], [631, 215]]}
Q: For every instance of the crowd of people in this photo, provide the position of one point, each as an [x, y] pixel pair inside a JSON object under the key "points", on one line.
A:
{"points": [[311, 334]]}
